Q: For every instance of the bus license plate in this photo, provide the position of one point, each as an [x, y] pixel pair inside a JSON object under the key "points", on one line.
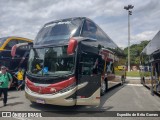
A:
{"points": [[40, 101]]}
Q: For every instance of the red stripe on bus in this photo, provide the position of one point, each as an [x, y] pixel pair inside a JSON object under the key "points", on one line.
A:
{"points": [[51, 88]]}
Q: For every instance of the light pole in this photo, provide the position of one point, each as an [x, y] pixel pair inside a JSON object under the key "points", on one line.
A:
{"points": [[129, 13]]}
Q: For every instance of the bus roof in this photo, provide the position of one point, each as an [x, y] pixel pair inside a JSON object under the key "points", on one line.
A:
{"points": [[4, 40], [153, 45], [14, 37], [51, 40], [67, 19], [109, 40]]}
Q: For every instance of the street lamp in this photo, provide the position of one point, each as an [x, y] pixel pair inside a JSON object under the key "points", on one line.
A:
{"points": [[129, 13]]}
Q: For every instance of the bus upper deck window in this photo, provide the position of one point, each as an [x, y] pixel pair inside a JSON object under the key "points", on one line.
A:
{"points": [[11, 44]]}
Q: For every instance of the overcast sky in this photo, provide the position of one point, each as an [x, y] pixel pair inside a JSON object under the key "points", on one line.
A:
{"points": [[24, 18]]}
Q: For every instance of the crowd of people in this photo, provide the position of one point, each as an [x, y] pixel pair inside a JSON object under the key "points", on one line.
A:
{"points": [[6, 81]]}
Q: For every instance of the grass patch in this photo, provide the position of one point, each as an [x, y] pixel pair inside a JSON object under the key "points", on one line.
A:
{"points": [[129, 74], [133, 74]]}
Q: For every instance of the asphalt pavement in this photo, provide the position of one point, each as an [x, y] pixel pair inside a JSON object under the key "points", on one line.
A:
{"points": [[131, 96]]}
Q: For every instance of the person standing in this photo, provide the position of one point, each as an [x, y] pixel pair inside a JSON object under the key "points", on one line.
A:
{"points": [[123, 77], [20, 78], [5, 83]]}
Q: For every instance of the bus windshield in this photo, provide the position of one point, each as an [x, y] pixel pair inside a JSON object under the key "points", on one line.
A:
{"points": [[59, 30], [52, 61]]}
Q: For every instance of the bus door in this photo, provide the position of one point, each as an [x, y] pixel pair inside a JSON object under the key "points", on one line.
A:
{"points": [[89, 80]]}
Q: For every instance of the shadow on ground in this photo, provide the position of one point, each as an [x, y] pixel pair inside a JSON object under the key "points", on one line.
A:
{"points": [[78, 110], [13, 104]]}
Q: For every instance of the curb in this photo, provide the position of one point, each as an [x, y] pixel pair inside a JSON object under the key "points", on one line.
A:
{"points": [[133, 78], [134, 84]]}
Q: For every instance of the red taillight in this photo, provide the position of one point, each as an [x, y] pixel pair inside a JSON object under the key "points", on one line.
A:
{"points": [[97, 97], [82, 97], [71, 46]]}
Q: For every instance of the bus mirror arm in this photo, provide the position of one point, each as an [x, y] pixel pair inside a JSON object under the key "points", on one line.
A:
{"points": [[71, 46], [30, 43], [14, 48], [13, 51]]}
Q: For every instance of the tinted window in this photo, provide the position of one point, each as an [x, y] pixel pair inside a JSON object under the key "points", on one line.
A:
{"points": [[89, 29], [104, 40], [2, 40], [100, 35], [51, 61], [5, 63], [26, 47], [10, 44], [22, 41], [89, 64], [58, 31], [14, 64]]}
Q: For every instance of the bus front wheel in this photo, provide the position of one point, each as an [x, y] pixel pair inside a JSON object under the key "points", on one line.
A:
{"points": [[33, 102]]}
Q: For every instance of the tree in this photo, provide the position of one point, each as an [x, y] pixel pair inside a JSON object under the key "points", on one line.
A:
{"points": [[135, 51]]}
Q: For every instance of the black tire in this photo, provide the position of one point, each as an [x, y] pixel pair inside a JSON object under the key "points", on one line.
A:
{"points": [[103, 87], [33, 102], [143, 81], [122, 79]]}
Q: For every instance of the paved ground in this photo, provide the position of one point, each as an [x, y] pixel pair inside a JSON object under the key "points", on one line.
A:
{"points": [[129, 97], [133, 81]]}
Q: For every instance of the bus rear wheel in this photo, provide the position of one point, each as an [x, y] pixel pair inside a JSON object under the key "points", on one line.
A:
{"points": [[33, 102], [103, 87]]}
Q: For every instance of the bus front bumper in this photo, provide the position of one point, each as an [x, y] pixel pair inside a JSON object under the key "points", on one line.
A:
{"points": [[54, 99]]}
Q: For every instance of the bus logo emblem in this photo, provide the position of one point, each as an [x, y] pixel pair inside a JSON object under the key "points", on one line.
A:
{"points": [[53, 90]]}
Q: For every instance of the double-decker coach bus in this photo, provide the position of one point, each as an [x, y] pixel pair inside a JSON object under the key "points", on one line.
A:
{"points": [[6, 44], [150, 64], [72, 62]]}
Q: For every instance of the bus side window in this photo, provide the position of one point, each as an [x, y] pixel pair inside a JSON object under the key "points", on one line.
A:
{"points": [[89, 30], [112, 68], [10, 44], [22, 41]]}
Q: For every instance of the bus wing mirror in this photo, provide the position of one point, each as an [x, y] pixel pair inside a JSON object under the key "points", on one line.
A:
{"points": [[71, 46], [15, 47], [13, 51]]}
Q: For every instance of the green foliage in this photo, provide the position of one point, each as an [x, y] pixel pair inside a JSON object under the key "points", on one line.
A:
{"points": [[133, 74], [122, 61], [129, 74], [147, 74], [135, 51]]}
